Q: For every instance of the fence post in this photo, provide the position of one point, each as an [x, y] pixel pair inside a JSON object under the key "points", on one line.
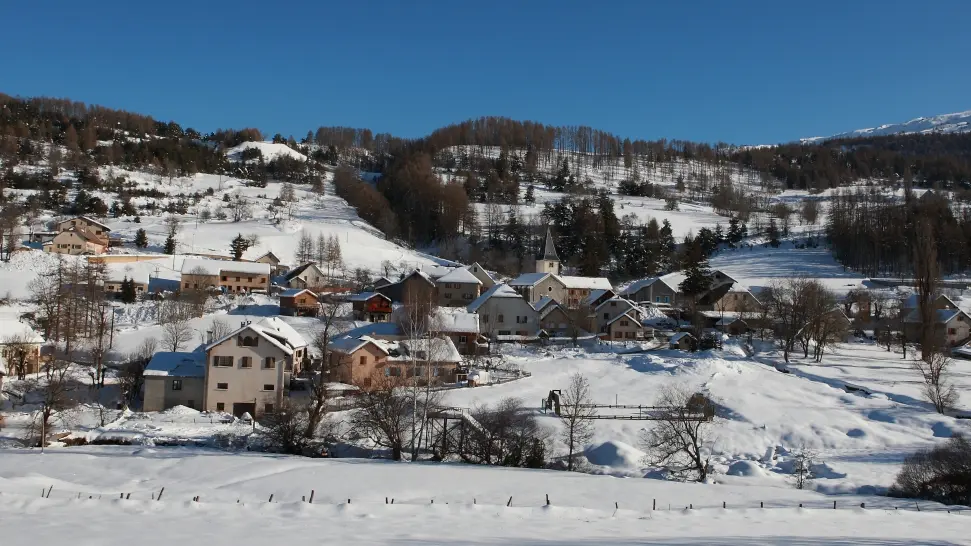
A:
{"points": [[654, 506], [723, 504], [862, 505], [510, 502], [834, 505], [547, 499], [311, 496], [160, 494], [271, 498], [761, 504]]}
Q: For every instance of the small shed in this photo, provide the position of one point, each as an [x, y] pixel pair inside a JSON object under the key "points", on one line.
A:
{"points": [[175, 379], [732, 326], [683, 341]]}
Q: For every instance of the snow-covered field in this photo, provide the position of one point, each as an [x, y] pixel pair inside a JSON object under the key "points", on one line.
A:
{"points": [[433, 504]]}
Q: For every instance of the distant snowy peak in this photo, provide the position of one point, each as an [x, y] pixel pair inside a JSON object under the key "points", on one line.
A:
{"points": [[270, 151], [959, 122]]}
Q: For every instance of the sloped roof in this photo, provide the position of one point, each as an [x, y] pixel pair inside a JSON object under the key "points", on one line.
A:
{"points": [[177, 364], [679, 336], [293, 292], [87, 219], [455, 319], [626, 315], [12, 328], [80, 233], [300, 269], [216, 267], [543, 302], [637, 285], [274, 330], [269, 255], [941, 316], [497, 291], [549, 309], [529, 279], [485, 271], [625, 301], [364, 296], [460, 275], [591, 283], [596, 294]]}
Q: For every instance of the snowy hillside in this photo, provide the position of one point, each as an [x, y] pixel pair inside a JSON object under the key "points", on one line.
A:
{"points": [[958, 122]]}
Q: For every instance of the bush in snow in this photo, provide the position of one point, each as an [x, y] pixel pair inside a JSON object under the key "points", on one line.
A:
{"points": [[941, 474]]}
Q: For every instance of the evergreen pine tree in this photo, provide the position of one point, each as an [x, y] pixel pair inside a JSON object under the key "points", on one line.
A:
{"points": [[169, 244], [697, 278], [773, 234], [734, 232], [530, 197], [141, 238], [238, 246], [128, 294]]}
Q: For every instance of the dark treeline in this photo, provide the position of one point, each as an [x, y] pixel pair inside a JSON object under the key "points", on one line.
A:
{"points": [[875, 234], [930, 160]]}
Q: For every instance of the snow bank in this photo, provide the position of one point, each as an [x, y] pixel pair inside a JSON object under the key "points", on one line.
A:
{"points": [[615, 454], [748, 469]]}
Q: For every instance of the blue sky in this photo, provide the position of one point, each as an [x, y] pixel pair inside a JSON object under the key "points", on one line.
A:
{"points": [[746, 72]]}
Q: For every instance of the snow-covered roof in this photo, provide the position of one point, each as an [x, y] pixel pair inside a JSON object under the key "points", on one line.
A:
{"points": [[549, 309], [274, 330], [136, 271], [477, 266], [497, 291], [436, 349], [177, 364], [942, 316], [86, 219], [455, 319], [617, 300], [595, 295], [12, 328], [460, 275], [590, 283], [543, 302], [216, 267], [364, 296], [725, 321], [679, 336], [637, 285], [293, 292], [528, 279], [626, 315]]}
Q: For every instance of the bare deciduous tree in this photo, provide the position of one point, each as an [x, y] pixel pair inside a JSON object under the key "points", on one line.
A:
{"points": [[239, 207], [935, 371], [177, 333], [55, 393], [131, 376], [385, 416], [681, 442], [577, 417], [317, 369], [801, 472], [18, 351]]}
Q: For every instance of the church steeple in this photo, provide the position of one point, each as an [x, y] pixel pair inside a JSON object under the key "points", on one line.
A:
{"points": [[549, 251], [549, 262]]}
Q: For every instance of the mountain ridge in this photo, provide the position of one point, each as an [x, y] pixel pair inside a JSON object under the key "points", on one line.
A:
{"points": [[957, 122]]}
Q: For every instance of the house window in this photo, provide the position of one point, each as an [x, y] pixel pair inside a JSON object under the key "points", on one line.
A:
{"points": [[667, 299], [606, 316], [176, 384], [249, 279], [613, 304], [186, 285], [363, 360], [222, 361], [624, 323], [504, 332], [268, 408], [220, 406], [392, 371], [246, 362], [269, 363], [224, 277], [448, 295], [549, 289], [248, 341], [436, 372], [237, 279], [485, 319], [222, 386], [501, 318], [268, 386], [952, 331], [463, 339], [617, 335]]}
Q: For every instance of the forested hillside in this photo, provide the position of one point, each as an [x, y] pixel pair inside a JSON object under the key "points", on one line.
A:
{"points": [[471, 189]]}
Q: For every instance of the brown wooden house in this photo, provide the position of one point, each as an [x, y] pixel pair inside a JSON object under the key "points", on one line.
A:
{"points": [[297, 302]]}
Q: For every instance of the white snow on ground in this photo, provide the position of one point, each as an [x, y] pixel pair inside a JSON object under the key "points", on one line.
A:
{"points": [[269, 150], [469, 505], [757, 266]]}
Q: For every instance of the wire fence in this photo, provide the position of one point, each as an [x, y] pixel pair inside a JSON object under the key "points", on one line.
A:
{"points": [[642, 506]]}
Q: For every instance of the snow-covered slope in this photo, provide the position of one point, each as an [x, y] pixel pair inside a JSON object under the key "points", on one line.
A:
{"points": [[246, 498], [269, 150], [958, 122]]}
